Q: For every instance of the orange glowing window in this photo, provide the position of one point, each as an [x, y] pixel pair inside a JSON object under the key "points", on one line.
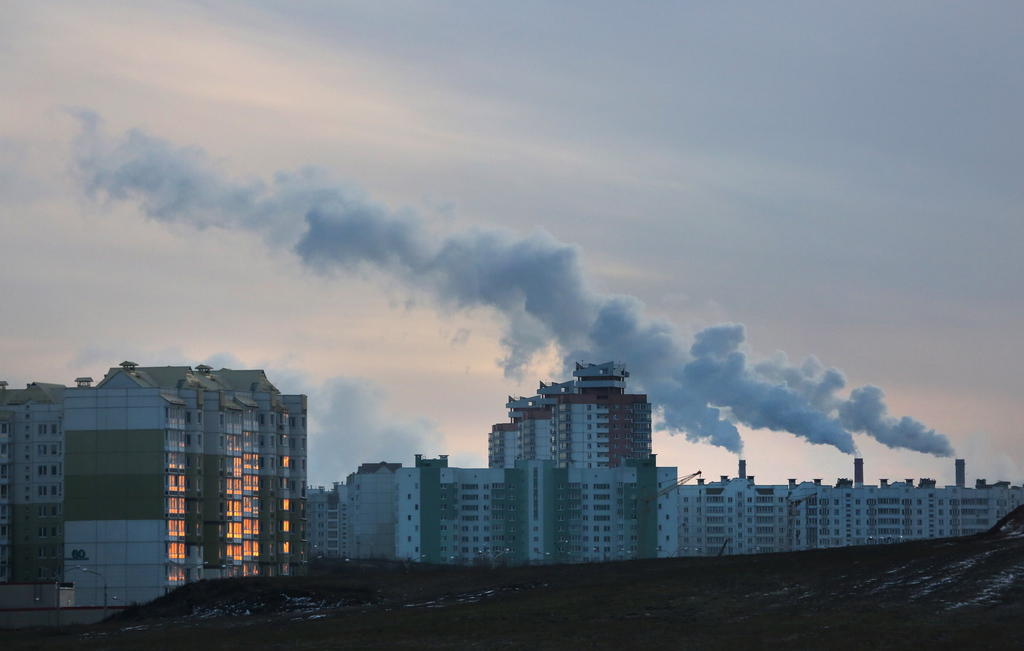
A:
{"points": [[234, 486], [234, 508], [176, 483], [176, 550], [175, 574], [234, 530], [176, 505], [176, 528], [286, 548], [286, 504], [286, 462], [252, 482], [286, 525]]}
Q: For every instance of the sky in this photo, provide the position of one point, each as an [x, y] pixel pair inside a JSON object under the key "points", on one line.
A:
{"points": [[179, 183]]}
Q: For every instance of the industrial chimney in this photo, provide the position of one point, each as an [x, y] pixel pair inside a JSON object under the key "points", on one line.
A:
{"points": [[858, 472], [743, 469], [961, 473]]}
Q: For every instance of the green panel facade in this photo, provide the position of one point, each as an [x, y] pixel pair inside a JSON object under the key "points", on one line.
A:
{"points": [[114, 475]]}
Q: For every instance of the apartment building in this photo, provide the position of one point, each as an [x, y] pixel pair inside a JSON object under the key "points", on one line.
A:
{"points": [[371, 510], [328, 521], [31, 483], [738, 516], [536, 512], [587, 422], [155, 477]]}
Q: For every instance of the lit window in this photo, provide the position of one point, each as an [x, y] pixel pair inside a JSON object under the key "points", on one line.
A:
{"points": [[286, 548], [176, 550], [176, 528], [286, 504], [286, 525], [286, 462]]}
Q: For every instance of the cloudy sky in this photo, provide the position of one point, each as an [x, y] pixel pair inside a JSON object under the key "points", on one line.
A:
{"points": [[843, 179]]}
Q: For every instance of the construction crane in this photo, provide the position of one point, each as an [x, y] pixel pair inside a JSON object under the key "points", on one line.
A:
{"points": [[668, 489]]}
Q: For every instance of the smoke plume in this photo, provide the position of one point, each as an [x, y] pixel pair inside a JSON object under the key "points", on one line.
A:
{"points": [[534, 282]]}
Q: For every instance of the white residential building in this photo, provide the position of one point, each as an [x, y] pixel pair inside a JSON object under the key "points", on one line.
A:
{"points": [[535, 512], [738, 516]]}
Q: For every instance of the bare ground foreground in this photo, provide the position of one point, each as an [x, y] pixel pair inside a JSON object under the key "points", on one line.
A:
{"points": [[965, 593]]}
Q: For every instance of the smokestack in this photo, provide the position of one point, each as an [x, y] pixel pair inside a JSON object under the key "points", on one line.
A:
{"points": [[858, 472], [961, 473], [743, 469]]}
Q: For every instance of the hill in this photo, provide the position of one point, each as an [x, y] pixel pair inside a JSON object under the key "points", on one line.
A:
{"points": [[963, 593]]}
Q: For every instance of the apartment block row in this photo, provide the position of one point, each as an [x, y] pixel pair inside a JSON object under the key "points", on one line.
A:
{"points": [[738, 516], [534, 512], [152, 478]]}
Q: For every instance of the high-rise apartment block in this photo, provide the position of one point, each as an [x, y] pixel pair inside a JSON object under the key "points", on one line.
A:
{"points": [[587, 422], [164, 475]]}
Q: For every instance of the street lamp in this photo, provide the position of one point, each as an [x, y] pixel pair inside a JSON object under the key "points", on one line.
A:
{"points": [[103, 578]]}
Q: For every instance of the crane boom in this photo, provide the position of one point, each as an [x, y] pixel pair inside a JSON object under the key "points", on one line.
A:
{"points": [[671, 487]]}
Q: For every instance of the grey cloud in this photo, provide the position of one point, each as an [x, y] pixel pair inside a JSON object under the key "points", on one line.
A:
{"points": [[351, 425], [535, 282]]}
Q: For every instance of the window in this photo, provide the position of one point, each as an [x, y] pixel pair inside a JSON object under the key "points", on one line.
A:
{"points": [[286, 525], [286, 504], [176, 550], [176, 528]]}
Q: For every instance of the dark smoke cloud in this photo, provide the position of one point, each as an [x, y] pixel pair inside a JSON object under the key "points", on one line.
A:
{"points": [[535, 282]]}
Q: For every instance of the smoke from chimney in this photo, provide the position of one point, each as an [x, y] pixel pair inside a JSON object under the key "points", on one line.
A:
{"points": [[534, 282]]}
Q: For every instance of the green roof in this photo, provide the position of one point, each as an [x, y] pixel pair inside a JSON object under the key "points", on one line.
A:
{"points": [[185, 377]]}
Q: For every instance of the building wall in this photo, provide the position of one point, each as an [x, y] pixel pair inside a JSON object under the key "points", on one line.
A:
{"points": [[371, 494]]}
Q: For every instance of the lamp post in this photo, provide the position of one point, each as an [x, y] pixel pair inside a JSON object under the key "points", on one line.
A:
{"points": [[103, 578]]}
